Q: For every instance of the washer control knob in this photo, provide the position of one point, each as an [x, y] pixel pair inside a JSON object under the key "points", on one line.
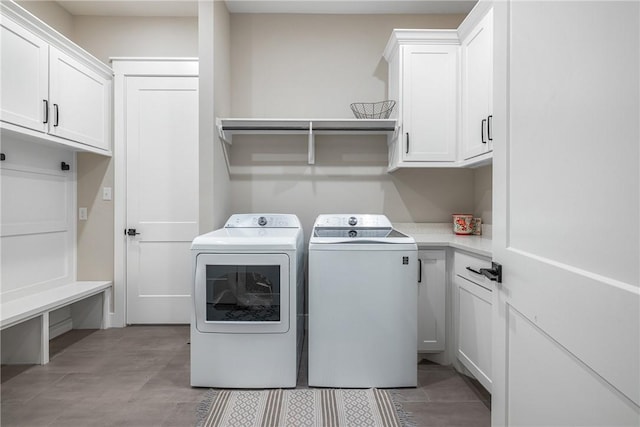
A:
{"points": [[353, 233], [353, 221], [262, 221]]}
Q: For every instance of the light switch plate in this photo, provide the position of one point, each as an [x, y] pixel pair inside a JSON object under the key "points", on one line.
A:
{"points": [[82, 214], [106, 193]]}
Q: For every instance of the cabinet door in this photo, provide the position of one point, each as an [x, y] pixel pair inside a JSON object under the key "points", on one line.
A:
{"points": [[474, 330], [24, 85], [429, 103], [477, 75], [473, 316], [431, 300], [80, 102]]}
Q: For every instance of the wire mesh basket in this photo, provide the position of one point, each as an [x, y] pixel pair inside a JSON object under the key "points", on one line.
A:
{"points": [[373, 110]]}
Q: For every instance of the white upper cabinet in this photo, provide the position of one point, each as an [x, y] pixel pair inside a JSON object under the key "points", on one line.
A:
{"points": [[79, 98], [423, 79], [477, 87], [24, 79], [52, 90]]}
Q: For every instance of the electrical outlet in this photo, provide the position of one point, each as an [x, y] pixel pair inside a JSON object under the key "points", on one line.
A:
{"points": [[82, 214], [106, 193]]}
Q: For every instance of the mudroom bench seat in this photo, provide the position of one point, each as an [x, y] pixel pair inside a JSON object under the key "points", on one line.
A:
{"points": [[24, 316]]}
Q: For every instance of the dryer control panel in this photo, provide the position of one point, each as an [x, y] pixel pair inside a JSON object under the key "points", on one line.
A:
{"points": [[262, 221]]}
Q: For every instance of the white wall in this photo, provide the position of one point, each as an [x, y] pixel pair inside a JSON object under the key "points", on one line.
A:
{"points": [[315, 66]]}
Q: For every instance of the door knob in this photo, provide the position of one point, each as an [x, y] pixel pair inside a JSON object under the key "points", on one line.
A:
{"points": [[131, 232]]}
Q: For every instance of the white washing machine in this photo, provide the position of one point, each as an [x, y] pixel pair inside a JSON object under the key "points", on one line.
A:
{"points": [[362, 303], [247, 325]]}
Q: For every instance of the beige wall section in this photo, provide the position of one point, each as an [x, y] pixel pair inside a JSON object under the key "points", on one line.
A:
{"points": [[115, 36], [349, 177], [206, 123], [51, 13], [484, 194], [215, 101], [315, 66], [222, 108], [95, 235]]}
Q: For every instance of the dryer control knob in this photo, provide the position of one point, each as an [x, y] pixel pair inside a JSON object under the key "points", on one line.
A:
{"points": [[262, 221], [353, 220]]}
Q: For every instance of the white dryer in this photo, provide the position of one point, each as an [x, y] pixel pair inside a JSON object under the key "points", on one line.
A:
{"points": [[247, 325], [362, 303]]}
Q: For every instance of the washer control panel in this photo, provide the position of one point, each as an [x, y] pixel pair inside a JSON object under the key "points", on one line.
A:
{"points": [[352, 221], [262, 221]]}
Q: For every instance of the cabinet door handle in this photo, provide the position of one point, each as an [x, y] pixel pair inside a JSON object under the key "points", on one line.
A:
{"points": [[482, 131], [489, 120], [407, 152], [46, 111], [57, 115], [419, 270]]}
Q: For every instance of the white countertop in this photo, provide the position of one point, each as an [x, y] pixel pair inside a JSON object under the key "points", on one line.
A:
{"points": [[441, 235]]}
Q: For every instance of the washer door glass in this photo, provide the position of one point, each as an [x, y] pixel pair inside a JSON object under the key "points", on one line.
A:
{"points": [[243, 293]]}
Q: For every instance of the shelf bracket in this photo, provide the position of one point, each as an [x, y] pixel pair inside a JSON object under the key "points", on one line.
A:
{"points": [[312, 145], [221, 134]]}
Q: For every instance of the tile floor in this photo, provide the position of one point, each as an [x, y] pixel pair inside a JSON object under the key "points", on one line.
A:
{"points": [[139, 376]]}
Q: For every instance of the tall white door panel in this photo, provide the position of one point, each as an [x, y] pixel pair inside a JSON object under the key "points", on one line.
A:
{"points": [[566, 206], [162, 196], [24, 76]]}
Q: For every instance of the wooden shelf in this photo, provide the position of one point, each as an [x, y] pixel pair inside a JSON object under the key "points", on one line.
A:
{"points": [[310, 127]]}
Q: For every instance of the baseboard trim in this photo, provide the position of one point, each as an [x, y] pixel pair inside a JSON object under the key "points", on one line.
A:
{"points": [[60, 328]]}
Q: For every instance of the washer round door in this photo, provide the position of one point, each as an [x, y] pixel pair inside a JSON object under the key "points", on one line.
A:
{"points": [[242, 293]]}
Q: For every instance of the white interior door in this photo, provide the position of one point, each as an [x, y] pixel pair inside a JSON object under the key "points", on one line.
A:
{"points": [[566, 207], [162, 196]]}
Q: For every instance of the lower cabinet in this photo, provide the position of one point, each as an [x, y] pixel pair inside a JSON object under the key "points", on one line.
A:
{"points": [[473, 316], [432, 279]]}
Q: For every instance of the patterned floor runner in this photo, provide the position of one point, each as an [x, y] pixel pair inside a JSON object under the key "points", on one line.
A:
{"points": [[302, 408]]}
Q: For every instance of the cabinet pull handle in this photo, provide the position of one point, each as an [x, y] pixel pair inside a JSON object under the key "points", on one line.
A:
{"points": [[407, 152], [419, 270], [489, 120], [46, 111], [57, 115], [482, 131]]}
